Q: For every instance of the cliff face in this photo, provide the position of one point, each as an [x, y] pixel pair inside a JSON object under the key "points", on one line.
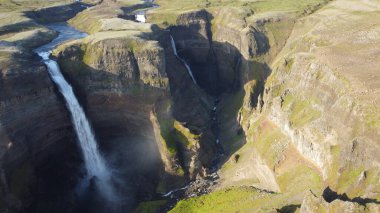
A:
{"points": [[304, 119], [131, 86], [35, 96], [213, 61], [37, 141], [320, 105], [296, 106], [186, 105], [34, 125], [314, 109], [118, 79]]}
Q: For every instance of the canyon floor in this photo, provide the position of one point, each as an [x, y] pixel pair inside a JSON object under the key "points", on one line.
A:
{"points": [[283, 113]]}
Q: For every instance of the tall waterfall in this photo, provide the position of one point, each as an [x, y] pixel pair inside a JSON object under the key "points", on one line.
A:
{"points": [[94, 162], [182, 60]]}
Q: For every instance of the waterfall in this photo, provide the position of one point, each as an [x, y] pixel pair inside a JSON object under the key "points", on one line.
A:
{"points": [[94, 162], [182, 60]]}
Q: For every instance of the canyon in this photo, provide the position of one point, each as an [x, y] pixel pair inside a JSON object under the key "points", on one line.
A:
{"points": [[205, 106]]}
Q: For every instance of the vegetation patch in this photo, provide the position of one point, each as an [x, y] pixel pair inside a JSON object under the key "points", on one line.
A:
{"points": [[288, 64], [368, 178], [184, 135], [238, 199], [151, 206], [166, 127], [334, 166], [268, 140], [301, 111], [173, 132], [299, 179], [168, 11], [348, 177]]}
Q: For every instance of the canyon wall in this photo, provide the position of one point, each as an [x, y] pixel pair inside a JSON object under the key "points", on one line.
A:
{"points": [[37, 141], [34, 125], [303, 118], [297, 121], [314, 109], [131, 85]]}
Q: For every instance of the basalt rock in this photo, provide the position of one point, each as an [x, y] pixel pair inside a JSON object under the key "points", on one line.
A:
{"points": [[291, 121], [34, 128]]}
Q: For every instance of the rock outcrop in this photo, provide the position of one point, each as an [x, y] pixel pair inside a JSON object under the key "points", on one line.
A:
{"points": [[285, 110]]}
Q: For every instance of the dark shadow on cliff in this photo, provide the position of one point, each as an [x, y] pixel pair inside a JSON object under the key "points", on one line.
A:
{"points": [[329, 195], [130, 11], [11, 28], [40, 157], [119, 107], [53, 14], [288, 209], [57, 13], [217, 69]]}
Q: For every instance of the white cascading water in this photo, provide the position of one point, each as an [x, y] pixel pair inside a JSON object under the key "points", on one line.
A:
{"points": [[94, 162], [183, 61]]}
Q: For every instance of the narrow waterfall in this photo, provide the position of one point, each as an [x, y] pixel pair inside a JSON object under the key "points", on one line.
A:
{"points": [[182, 60], [94, 162]]}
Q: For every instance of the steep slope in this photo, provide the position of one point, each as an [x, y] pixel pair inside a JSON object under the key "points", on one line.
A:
{"points": [[138, 97], [314, 125], [284, 117], [35, 128]]}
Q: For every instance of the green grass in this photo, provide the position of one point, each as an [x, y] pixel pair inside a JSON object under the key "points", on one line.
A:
{"points": [[150, 206], [243, 199], [348, 177], [173, 132], [371, 179], [270, 145], [301, 110], [89, 20], [297, 6], [249, 94], [184, 135], [166, 128], [168, 10], [130, 2], [278, 33], [289, 65], [335, 152], [299, 179], [240, 199]]}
